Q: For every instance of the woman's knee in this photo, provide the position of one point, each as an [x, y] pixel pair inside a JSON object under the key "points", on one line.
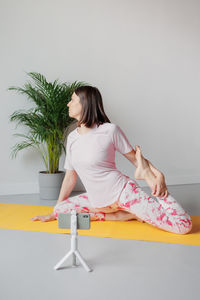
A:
{"points": [[185, 226], [186, 230]]}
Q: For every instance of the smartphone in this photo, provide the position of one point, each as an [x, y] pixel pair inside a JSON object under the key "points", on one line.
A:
{"points": [[83, 220]]}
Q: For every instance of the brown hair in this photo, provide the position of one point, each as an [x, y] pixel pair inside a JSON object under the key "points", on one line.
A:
{"points": [[92, 106]]}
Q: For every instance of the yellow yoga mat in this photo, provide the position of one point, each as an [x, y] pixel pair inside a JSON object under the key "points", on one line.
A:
{"points": [[17, 217]]}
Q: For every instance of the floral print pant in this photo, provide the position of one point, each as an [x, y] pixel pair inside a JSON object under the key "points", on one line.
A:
{"points": [[165, 213]]}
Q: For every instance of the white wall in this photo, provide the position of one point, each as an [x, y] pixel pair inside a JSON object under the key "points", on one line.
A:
{"points": [[143, 55]]}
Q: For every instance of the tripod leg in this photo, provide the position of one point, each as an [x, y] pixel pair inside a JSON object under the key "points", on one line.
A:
{"points": [[84, 264], [74, 264], [62, 260]]}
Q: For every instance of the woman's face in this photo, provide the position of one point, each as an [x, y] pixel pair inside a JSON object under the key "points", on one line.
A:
{"points": [[75, 107]]}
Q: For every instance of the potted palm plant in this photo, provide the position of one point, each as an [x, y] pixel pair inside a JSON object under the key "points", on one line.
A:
{"points": [[48, 122]]}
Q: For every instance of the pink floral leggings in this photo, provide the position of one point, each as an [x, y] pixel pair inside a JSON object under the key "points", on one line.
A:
{"points": [[165, 213]]}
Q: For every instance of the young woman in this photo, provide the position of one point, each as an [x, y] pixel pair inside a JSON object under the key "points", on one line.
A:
{"points": [[111, 195]]}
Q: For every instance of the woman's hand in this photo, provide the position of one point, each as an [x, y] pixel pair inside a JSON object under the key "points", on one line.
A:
{"points": [[44, 218], [159, 187]]}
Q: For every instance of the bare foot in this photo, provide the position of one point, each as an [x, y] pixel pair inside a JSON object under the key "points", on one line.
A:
{"points": [[44, 218], [142, 165], [122, 216]]}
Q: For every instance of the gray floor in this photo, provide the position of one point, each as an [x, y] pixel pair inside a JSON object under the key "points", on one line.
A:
{"points": [[122, 269]]}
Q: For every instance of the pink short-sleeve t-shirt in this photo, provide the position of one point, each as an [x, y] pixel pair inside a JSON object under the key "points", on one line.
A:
{"points": [[92, 156]]}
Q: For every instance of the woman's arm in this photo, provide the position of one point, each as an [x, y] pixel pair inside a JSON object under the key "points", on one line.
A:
{"points": [[155, 178], [68, 184], [132, 158]]}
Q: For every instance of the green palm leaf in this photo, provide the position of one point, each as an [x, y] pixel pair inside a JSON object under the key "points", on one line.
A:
{"points": [[48, 120]]}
